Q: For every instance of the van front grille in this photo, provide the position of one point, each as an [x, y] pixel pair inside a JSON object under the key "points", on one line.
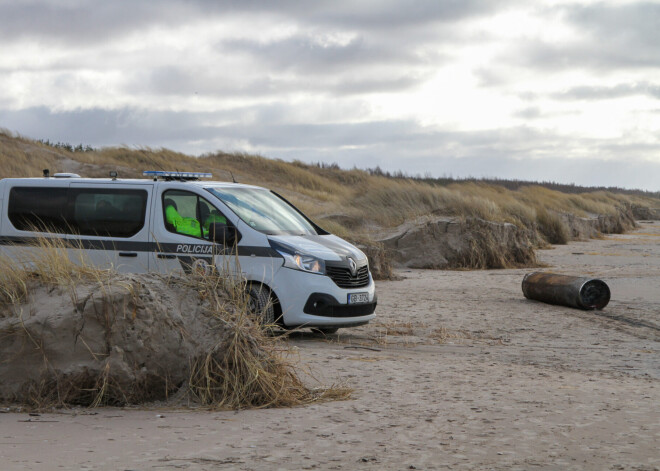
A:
{"points": [[342, 277]]}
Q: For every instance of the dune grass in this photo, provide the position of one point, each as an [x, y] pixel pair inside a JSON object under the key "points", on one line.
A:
{"points": [[249, 367], [354, 204], [47, 261]]}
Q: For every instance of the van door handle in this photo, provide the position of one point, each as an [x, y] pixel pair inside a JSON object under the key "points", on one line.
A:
{"points": [[166, 256], [128, 254]]}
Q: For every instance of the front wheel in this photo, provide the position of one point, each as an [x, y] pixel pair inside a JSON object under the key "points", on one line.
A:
{"points": [[260, 304]]}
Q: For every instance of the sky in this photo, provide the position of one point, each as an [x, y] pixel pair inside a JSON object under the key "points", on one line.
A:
{"points": [[564, 91]]}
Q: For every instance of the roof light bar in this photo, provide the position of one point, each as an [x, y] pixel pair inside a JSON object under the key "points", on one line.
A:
{"points": [[181, 176]]}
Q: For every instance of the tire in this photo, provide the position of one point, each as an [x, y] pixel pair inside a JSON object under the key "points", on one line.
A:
{"points": [[326, 330], [260, 304]]}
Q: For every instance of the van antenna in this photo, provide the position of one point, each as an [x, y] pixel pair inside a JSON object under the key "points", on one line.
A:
{"points": [[232, 177], [153, 161]]}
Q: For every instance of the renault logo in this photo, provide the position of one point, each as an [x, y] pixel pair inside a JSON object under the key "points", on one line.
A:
{"points": [[353, 265]]}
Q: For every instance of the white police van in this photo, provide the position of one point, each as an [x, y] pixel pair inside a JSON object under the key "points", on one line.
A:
{"points": [[297, 273]]}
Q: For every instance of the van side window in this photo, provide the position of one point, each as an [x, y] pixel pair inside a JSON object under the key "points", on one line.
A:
{"points": [[38, 209], [108, 212], [79, 211], [189, 214]]}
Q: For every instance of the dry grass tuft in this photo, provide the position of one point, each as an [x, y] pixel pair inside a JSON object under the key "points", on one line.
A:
{"points": [[396, 328], [490, 247], [248, 368], [13, 282], [47, 261], [241, 373], [442, 335], [552, 227]]}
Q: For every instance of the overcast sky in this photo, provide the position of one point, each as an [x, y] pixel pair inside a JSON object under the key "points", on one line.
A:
{"points": [[566, 91]]}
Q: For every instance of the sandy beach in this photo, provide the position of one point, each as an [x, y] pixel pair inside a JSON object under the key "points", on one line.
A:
{"points": [[459, 371]]}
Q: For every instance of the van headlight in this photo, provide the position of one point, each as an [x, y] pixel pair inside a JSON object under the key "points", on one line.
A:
{"points": [[303, 262]]}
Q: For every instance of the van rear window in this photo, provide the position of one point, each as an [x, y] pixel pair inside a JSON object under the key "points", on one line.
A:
{"points": [[38, 209], [80, 211]]}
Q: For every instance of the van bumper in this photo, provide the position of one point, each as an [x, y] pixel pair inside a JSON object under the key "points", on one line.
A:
{"points": [[321, 304], [312, 300]]}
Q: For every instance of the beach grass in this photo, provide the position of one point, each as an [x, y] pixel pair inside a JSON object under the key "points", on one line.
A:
{"points": [[354, 204]]}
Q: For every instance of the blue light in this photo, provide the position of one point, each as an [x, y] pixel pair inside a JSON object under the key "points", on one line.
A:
{"points": [[176, 175]]}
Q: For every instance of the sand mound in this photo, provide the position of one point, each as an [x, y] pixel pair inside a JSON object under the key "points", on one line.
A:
{"points": [[451, 242], [74, 334], [126, 340], [380, 264], [644, 213], [112, 339], [444, 242]]}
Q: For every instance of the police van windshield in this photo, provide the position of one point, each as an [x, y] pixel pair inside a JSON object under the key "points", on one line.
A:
{"points": [[263, 211]]}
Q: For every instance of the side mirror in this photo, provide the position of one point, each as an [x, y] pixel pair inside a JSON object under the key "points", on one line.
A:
{"points": [[222, 234]]}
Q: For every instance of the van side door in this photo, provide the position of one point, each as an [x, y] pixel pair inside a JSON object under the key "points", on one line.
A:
{"points": [[109, 220]]}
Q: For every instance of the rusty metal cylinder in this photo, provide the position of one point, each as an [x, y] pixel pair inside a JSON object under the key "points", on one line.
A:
{"points": [[572, 291]]}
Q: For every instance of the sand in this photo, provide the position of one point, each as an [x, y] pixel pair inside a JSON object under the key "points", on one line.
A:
{"points": [[459, 371], [137, 334]]}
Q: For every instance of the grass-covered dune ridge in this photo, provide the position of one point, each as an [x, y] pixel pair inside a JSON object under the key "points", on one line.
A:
{"points": [[362, 205]]}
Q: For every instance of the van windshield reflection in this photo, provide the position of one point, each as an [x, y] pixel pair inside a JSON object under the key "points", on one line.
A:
{"points": [[263, 211]]}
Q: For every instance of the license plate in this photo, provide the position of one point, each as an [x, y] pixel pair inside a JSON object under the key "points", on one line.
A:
{"points": [[358, 298]]}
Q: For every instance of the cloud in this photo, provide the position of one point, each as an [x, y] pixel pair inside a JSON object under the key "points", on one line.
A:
{"points": [[330, 48], [615, 173], [183, 81], [607, 36], [530, 112], [313, 56], [99, 127], [388, 14], [76, 20], [631, 24], [465, 87], [603, 93], [519, 152]]}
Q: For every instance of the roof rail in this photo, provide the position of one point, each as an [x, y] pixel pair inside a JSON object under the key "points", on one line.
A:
{"points": [[176, 176]]}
